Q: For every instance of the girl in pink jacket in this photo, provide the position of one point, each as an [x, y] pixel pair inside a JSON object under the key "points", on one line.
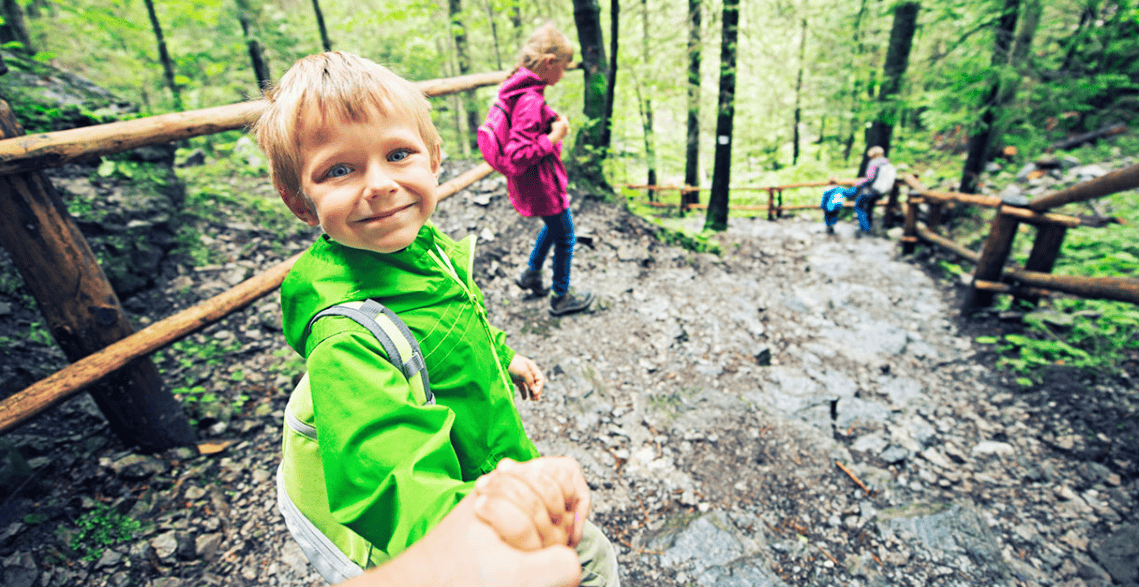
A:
{"points": [[535, 146]]}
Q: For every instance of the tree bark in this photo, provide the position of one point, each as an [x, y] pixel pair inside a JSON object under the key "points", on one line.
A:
{"points": [[163, 56], [692, 152], [893, 72], [985, 132], [799, 94], [647, 104], [248, 19], [324, 40], [14, 28], [855, 87], [79, 306], [590, 146], [463, 57], [717, 218], [493, 33], [611, 78]]}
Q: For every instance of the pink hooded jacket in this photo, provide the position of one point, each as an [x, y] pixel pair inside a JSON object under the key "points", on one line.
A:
{"points": [[540, 190]]}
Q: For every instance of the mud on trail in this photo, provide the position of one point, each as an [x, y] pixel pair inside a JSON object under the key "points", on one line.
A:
{"points": [[708, 399]]}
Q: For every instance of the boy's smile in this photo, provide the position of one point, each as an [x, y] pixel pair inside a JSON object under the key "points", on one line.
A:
{"points": [[371, 183]]}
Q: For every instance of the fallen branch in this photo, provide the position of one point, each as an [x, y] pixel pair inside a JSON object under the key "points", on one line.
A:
{"points": [[853, 476]]}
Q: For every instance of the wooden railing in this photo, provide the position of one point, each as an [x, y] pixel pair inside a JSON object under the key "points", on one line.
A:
{"points": [[992, 274], [87, 320], [774, 207]]}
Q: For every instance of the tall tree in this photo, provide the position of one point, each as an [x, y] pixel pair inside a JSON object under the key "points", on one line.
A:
{"points": [[493, 33], [462, 54], [855, 80], [983, 135], [248, 20], [799, 92], [893, 72], [163, 56], [717, 218], [646, 102], [1018, 56], [590, 144], [324, 40], [611, 78], [692, 152], [14, 29]]}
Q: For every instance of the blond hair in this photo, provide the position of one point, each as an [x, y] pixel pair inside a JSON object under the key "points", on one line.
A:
{"points": [[875, 151], [337, 87], [547, 40]]}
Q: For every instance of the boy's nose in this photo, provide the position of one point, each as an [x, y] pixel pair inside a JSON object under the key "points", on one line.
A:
{"points": [[379, 181]]}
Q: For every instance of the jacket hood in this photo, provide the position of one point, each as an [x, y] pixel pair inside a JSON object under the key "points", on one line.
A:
{"points": [[330, 273], [521, 82]]}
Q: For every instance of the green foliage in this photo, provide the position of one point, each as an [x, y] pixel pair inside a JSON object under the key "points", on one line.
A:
{"points": [[99, 528]]}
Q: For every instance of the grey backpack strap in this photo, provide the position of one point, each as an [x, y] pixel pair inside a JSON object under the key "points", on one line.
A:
{"points": [[393, 335]]}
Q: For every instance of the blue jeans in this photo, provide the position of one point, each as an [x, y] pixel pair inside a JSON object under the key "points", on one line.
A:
{"points": [[864, 207], [558, 232]]}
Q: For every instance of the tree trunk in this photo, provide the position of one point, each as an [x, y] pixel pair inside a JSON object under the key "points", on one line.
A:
{"points": [[324, 40], [494, 33], [799, 94], [163, 56], [717, 218], [692, 152], [893, 72], [1018, 55], [611, 78], [590, 146], [647, 108], [463, 57], [14, 28], [855, 87], [980, 140], [248, 21], [79, 307]]}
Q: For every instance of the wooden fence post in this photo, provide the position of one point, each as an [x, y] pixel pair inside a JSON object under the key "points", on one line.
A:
{"points": [[997, 247], [1045, 250], [889, 216], [80, 307], [771, 203], [910, 233], [779, 207]]}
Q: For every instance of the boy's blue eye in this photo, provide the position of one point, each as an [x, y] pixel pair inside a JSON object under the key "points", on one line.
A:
{"points": [[399, 155], [339, 170]]}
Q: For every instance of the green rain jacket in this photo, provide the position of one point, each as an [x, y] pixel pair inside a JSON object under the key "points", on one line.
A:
{"points": [[393, 467]]}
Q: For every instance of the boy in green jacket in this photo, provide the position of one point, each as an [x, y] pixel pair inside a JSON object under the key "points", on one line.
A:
{"points": [[372, 462]]}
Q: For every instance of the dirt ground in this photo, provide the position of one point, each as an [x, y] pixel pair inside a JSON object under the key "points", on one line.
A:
{"points": [[709, 398]]}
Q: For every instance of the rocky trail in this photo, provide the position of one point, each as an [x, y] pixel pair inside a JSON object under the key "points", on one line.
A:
{"points": [[802, 409]]}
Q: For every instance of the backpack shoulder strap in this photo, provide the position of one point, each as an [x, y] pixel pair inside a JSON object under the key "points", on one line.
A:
{"points": [[393, 335]]}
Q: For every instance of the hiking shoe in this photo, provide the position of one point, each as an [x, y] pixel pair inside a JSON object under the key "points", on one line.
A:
{"points": [[570, 303], [532, 280], [830, 230]]}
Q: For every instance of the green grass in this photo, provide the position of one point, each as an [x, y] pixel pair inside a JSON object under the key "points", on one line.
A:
{"points": [[100, 528]]}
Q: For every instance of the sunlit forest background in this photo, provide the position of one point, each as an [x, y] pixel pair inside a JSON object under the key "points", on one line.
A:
{"points": [[1070, 68]]}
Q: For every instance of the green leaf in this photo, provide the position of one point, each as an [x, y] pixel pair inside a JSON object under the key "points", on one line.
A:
{"points": [[986, 339], [106, 168]]}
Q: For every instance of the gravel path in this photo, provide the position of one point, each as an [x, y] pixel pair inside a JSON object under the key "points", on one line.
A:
{"points": [[711, 401]]}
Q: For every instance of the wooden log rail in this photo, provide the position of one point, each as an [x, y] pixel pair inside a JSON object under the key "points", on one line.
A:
{"points": [[774, 207], [77, 376], [991, 274], [22, 157]]}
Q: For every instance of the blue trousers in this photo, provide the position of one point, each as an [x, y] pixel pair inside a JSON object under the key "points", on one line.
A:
{"points": [[864, 207], [557, 232]]}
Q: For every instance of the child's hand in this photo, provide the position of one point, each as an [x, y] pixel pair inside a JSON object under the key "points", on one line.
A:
{"points": [[559, 129], [536, 504], [527, 377]]}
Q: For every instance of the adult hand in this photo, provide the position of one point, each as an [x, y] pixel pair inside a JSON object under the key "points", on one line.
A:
{"points": [[463, 551], [538, 503]]}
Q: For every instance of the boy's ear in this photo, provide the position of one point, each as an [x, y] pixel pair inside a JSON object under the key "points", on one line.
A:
{"points": [[299, 206]]}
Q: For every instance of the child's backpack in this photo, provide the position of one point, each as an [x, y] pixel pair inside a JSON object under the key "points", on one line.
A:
{"points": [[492, 136], [887, 174], [334, 550]]}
